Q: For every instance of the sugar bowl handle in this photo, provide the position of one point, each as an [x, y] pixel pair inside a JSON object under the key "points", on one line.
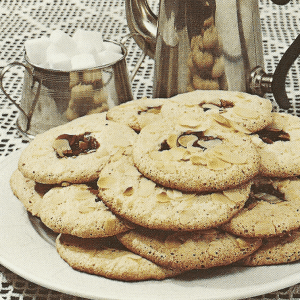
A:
{"points": [[2, 74]]}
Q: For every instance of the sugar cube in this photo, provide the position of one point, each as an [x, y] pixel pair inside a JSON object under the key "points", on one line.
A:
{"points": [[83, 61], [63, 42], [36, 50], [57, 60], [86, 41]]}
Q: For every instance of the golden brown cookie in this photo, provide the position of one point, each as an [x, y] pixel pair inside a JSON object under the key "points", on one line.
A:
{"points": [[272, 209], [30, 193], [108, 258], [194, 156], [247, 111], [74, 152], [77, 210], [279, 146], [138, 199], [137, 113], [276, 250], [188, 250]]}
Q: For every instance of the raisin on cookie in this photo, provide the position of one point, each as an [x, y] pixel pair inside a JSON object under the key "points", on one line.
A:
{"points": [[74, 152]]}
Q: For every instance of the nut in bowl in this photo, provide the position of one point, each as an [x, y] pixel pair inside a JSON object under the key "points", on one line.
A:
{"points": [[69, 82]]}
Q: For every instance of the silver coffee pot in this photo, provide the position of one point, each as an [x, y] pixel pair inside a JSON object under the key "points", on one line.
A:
{"points": [[208, 44]]}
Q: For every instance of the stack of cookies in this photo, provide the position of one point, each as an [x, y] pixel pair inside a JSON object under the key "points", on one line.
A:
{"points": [[158, 187]]}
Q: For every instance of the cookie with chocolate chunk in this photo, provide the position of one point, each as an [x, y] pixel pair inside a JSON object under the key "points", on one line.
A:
{"points": [[194, 156], [74, 152], [134, 197], [279, 146], [188, 250], [29, 192], [137, 113], [77, 210], [276, 250], [244, 111], [108, 258], [273, 208]]}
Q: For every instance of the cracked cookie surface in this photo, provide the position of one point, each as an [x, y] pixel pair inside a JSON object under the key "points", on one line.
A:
{"points": [[137, 113], [77, 210], [188, 250], [276, 250], [195, 157], [272, 209], [250, 112], [134, 197], [46, 161], [279, 146], [109, 258], [29, 192]]}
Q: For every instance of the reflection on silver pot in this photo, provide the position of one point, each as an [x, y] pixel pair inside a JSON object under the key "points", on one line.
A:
{"points": [[207, 44]]}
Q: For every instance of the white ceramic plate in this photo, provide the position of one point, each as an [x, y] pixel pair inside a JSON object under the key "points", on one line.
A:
{"points": [[26, 248]]}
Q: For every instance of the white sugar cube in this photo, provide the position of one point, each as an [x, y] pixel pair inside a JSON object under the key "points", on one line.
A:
{"points": [[63, 42], [109, 46], [88, 41], [57, 60], [83, 61], [36, 50], [109, 57], [61, 61]]}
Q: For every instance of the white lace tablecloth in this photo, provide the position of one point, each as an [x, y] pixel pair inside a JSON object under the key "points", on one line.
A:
{"points": [[21, 20]]}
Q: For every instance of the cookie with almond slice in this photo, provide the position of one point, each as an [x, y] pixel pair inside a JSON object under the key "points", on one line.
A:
{"points": [[276, 250], [137, 113], [272, 209], [188, 250], [279, 146], [76, 151], [132, 196], [195, 157], [109, 258], [77, 210], [243, 111]]}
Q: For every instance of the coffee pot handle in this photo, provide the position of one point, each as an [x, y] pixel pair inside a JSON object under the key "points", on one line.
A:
{"points": [[281, 71], [266, 83], [280, 2]]}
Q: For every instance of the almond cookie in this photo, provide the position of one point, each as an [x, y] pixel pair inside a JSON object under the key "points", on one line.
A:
{"points": [[276, 250], [273, 208], [195, 157], [108, 258], [188, 250], [74, 152], [137, 113], [30, 193], [77, 210], [279, 146], [134, 197], [248, 111]]}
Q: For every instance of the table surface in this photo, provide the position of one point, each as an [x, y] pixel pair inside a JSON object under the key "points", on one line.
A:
{"points": [[21, 20]]}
